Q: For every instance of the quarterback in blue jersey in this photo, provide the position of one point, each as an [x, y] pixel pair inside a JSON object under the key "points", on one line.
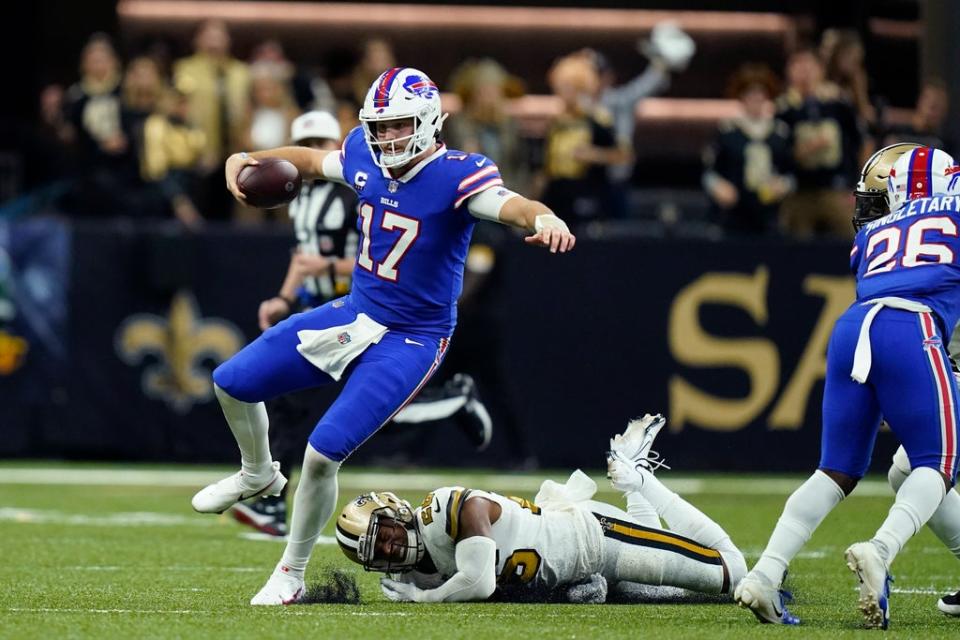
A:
{"points": [[418, 205], [886, 357]]}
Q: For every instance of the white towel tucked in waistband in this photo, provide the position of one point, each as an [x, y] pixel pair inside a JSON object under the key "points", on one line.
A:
{"points": [[863, 356], [331, 350]]}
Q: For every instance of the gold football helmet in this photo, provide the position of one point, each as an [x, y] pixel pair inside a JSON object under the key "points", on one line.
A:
{"points": [[359, 526], [871, 191]]}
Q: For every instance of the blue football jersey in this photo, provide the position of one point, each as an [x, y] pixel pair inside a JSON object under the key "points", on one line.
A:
{"points": [[414, 234], [913, 253]]}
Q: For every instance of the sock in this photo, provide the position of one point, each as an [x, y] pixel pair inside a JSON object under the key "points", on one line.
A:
{"points": [[945, 521], [641, 510], [917, 499], [313, 504], [681, 516], [249, 425], [685, 519], [804, 511]]}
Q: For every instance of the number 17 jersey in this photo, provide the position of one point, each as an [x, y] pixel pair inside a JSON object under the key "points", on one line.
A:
{"points": [[913, 253], [414, 234]]}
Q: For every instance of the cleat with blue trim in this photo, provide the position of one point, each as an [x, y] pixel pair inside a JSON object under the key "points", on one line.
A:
{"points": [[767, 602], [863, 558]]}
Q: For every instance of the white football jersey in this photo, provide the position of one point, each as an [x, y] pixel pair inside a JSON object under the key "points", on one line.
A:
{"points": [[539, 547]]}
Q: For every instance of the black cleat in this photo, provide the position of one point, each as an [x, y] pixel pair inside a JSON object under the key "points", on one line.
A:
{"points": [[473, 418], [950, 604], [266, 515]]}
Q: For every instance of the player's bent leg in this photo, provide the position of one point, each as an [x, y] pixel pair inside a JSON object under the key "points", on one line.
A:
{"points": [[634, 553], [384, 379]]}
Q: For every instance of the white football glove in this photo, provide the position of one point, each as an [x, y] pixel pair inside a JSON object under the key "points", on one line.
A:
{"points": [[398, 591], [671, 44]]}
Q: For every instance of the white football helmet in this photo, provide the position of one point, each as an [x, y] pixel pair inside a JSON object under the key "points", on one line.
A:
{"points": [[359, 524], [921, 173], [402, 92]]}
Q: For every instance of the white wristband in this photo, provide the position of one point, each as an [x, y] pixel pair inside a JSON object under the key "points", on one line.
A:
{"points": [[549, 221]]}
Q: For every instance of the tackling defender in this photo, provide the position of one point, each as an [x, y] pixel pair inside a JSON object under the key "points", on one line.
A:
{"points": [[886, 357], [418, 204], [462, 544]]}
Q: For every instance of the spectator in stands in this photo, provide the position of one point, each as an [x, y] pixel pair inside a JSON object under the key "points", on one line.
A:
{"points": [[300, 84], [165, 146], [93, 104], [580, 144], [825, 140], [747, 168], [668, 49], [926, 125], [93, 107], [841, 51], [484, 124], [272, 107], [272, 110], [218, 87]]}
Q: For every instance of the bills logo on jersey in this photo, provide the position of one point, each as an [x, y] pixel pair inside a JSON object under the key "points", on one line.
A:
{"points": [[359, 181], [344, 338], [420, 86]]}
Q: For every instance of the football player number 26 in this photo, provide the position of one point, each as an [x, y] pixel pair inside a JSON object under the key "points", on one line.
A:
{"points": [[392, 221], [913, 247]]}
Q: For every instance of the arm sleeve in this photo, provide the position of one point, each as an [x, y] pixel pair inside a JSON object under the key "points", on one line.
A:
{"points": [[487, 204], [333, 168], [476, 576]]}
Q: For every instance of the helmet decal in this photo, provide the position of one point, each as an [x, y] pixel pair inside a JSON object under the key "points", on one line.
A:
{"points": [[420, 86]]}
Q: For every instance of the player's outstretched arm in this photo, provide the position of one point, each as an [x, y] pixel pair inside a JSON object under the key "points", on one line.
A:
{"points": [[547, 229], [476, 557], [309, 162]]}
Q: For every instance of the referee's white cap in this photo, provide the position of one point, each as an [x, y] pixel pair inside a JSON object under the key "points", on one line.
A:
{"points": [[315, 125]]}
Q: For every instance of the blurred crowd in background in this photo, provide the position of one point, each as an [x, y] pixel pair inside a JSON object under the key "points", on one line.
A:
{"points": [[145, 136]]}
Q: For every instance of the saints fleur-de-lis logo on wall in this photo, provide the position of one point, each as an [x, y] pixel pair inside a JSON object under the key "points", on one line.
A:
{"points": [[180, 345]]}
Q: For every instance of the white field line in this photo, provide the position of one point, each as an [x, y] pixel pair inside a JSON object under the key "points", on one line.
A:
{"points": [[131, 519], [406, 481]]}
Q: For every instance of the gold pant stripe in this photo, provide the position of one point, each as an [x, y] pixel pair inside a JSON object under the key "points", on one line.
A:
{"points": [[666, 538]]}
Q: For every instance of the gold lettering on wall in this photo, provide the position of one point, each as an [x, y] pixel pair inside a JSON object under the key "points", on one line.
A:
{"points": [[693, 347], [837, 293]]}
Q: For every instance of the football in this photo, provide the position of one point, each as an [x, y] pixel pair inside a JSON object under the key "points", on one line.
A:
{"points": [[272, 183]]}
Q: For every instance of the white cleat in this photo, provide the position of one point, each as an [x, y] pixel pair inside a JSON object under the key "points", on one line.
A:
{"points": [[634, 444], [282, 588], [864, 559], [220, 496], [765, 601], [624, 475]]}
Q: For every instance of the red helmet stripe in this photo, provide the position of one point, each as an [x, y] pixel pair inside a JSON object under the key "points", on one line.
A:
{"points": [[919, 184], [382, 96]]}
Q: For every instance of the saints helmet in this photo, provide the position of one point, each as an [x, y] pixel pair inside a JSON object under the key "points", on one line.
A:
{"points": [[871, 191], [359, 524], [921, 173], [402, 92]]}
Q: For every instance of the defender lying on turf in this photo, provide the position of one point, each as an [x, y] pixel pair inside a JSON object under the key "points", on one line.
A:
{"points": [[461, 544]]}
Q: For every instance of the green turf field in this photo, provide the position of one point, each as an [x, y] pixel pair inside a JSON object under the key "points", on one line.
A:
{"points": [[90, 552]]}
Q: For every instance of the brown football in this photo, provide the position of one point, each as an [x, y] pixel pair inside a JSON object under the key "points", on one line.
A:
{"points": [[272, 183]]}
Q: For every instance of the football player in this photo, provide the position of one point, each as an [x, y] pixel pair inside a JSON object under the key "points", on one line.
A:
{"points": [[418, 204], [462, 544], [324, 217], [871, 203], [886, 357]]}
